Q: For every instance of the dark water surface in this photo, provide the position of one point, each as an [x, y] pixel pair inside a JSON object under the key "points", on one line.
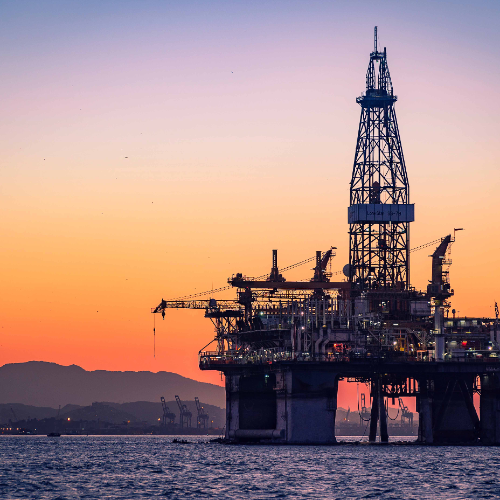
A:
{"points": [[128, 467]]}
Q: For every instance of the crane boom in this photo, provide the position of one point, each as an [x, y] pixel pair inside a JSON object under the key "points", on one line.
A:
{"points": [[179, 403], [198, 406], [425, 245], [192, 304], [210, 292]]}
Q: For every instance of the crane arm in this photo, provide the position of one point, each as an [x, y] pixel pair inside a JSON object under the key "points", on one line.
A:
{"points": [[179, 403], [164, 405], [440, 251], [228, 287], [326, 257], [194, 304], [197, 401], [425, 245]]}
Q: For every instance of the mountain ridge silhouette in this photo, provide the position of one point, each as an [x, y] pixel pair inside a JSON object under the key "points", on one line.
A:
{"points": [[42, 383]]}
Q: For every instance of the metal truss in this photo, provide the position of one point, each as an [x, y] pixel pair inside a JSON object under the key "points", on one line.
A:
{"points": [[379, 251]]}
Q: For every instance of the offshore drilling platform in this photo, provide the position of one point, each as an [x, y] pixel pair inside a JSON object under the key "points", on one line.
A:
{"points": [[284, 345]]}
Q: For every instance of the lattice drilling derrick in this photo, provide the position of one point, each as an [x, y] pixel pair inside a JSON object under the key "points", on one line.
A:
{"points": [[380, 210]]}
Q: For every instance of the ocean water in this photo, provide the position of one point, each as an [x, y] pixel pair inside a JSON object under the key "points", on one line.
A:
{"points": [[129, 467]]}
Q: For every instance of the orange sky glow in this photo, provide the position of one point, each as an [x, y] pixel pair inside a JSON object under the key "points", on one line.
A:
{"points": [[157, 155]]}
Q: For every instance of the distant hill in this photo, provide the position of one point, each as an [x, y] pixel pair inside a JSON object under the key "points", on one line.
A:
{"points": [[136, 412], [16, 411], [42, 384], [101, 411]]}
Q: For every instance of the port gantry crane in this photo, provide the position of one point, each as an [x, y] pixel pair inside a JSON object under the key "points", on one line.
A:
{"points": [[168, 417], [406, 414], [184, 414], [202, 417]]}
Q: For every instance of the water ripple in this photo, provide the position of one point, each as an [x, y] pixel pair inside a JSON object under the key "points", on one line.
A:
{"points": [[129, 467]]}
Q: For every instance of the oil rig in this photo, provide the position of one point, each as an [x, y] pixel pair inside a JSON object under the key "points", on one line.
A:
{"points": [[284, 345]]}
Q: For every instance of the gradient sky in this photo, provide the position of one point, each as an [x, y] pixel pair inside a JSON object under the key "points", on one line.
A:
{"points": [[151, 149]]}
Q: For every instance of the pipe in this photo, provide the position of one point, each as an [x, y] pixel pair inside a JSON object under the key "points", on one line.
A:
{"points": [[439, 333], [318, 342]]}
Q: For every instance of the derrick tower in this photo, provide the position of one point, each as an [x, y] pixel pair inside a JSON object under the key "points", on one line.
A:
{"points": [[380, 212]]}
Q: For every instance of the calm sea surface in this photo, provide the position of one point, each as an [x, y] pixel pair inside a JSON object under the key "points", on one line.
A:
{"points": [[128, 467]]}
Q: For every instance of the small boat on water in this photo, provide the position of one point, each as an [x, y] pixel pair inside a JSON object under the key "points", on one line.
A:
{"points": [[54, 434]]}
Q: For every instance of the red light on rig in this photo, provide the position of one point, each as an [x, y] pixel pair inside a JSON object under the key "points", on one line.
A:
{"points": [[464, 343]]}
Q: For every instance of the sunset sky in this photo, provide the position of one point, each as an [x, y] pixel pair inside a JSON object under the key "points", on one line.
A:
{"points": [[152, 149]]}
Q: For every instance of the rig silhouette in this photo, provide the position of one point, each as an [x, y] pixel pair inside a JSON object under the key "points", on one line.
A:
{"points": [[284, 345]]}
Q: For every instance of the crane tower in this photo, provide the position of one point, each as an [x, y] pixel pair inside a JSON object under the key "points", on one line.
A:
{"points": [[380, 212]]}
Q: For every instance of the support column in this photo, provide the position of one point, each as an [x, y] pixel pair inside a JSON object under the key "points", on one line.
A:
{"points": [[374, 412], [453, 414], [311, 406], [384, 435], [425, 434], [490, 409], [232, 405], [378, 413]]}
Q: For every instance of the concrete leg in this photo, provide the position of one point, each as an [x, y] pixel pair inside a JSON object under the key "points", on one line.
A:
{"points": [[294, 406], [469, 403], [232, 404], [311, 407], [425, 434], [453, 413], [374, 412], [425, 430], [490, 409]]}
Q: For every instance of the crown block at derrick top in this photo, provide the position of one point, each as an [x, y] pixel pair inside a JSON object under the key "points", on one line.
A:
{"points": [[381, 213]]}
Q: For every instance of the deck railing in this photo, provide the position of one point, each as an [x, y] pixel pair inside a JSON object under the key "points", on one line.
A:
{"points": [[209, 359]]}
